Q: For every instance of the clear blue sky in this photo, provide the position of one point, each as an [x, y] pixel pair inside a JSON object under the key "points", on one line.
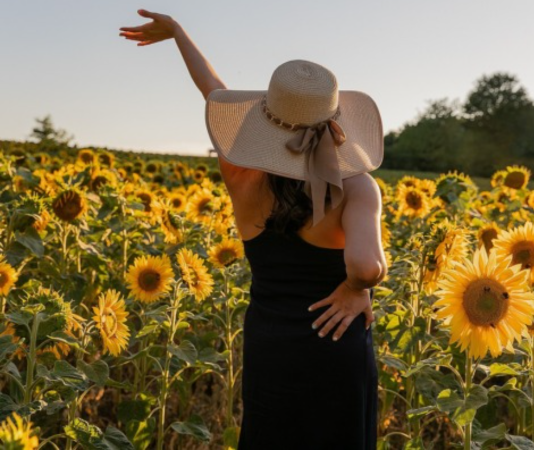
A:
{"points": [[66, 58]]}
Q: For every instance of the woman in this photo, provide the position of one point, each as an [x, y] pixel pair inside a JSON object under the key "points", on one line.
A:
{"points": [[309, 371]]}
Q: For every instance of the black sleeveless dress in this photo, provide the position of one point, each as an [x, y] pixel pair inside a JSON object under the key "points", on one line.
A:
{"points": [[301, 391]]}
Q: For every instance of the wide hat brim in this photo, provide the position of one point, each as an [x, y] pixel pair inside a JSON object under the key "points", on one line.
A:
{"points": [[242, 134]]}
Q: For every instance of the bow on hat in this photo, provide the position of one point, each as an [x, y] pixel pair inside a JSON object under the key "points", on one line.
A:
{"points": [[319, 142]]}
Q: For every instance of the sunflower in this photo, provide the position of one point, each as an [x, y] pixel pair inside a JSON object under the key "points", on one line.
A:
{"points": [[69, 205], [529, 199], [102, 177], [106, 159], [486, 235], [452, 245], [150, 277], [199, 175], [486, 302], [413, 202], [170, 223], [110, 317], [147, 198], [153, 166], [215, 176], [385, 188], [178, 201], [202, 167], [454, 184], [497, 178], [195, 274], [516, 177], [15, 435], [201, 206], [8, 276], [408, 181], [86, 156], [42, 158], [226, 252], [518, 243], [428, 187]]}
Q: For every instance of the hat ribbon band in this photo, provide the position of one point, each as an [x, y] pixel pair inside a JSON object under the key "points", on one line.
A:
{"points": [[319, 144]]}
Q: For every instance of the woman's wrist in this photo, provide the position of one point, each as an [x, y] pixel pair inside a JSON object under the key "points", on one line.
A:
{"points": [[355, 286], [177, 29]]}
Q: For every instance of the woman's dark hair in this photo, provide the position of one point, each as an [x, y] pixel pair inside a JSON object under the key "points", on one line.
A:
{"points": [[292, 207]]}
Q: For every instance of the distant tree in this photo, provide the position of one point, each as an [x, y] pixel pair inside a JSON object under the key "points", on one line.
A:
{"points": [[495, 95], [499, 117], [46, 134]]}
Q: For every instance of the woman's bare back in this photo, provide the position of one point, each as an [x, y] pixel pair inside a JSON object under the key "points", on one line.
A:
{"points": [[253, 203]]}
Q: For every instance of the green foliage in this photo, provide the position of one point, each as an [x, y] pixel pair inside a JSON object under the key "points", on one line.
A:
{"points": [[492, 129]]}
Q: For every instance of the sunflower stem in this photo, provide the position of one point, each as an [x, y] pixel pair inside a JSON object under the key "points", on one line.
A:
{"points": [[468, 380], [229, 346], [166, 371]]}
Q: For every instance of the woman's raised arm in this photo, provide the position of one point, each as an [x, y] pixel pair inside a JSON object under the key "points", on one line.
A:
{"points": [[165, 27]]}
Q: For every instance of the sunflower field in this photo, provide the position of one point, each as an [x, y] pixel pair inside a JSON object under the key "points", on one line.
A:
{"points": [[123, 285]]}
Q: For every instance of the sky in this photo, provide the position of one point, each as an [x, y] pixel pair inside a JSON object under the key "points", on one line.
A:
{"points": [[67, 59]]}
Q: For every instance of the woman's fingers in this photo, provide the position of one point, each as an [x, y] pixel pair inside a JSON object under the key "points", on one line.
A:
{"points": [[330, 324], [139, 28], [137, 38], [342, 327], [324, 302], [328, 313], [146, 43]]}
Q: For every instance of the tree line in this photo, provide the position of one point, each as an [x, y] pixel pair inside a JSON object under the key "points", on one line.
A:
{"points": [[493, 128]]}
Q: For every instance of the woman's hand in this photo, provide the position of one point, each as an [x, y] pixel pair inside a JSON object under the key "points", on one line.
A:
{"points": [[346, 305], [163, 27]]}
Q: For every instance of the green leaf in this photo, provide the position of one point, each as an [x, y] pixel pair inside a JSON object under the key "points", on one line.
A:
{"points": [[501, 369], [147, 329], [140, 432], [60, 336], [97, 372], [448, 400], [186, 351], [90, 437], [7, 346], [20, 317], [31, 240], [420, 412], [138, 409], [115, 439], [393, 361], [491, 435], [194, 426], [430, 362], [520, 442], [69, 376]]}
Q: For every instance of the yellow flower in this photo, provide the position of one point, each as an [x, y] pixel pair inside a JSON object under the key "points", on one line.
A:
{"points": [[497, 178], [69, 205], [487, 234], [8, 276], [110, 317], [452, 246], [226, 252], [516, 177], [150, 277], [519, 243], [201, 206], [195, 274], [87, 156], [178, 201], [15, 435], [486, 302], [170, 223], [413, 202]]}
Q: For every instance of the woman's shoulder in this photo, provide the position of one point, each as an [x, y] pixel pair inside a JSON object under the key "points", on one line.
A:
{"points": [[362, 185]]}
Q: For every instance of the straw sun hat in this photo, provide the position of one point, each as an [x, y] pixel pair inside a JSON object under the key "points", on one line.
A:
{"points": [[302, 127]]}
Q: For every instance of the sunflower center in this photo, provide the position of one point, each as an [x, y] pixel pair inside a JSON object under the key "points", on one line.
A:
{"points": [[149, 280], [488, 236], [205, 206], [146, 200], [485, 302], [3, 279], [68, 206], [413, 199], [177, 202], [523, 252], [226, 256], [109, 323], [515, 180]]}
